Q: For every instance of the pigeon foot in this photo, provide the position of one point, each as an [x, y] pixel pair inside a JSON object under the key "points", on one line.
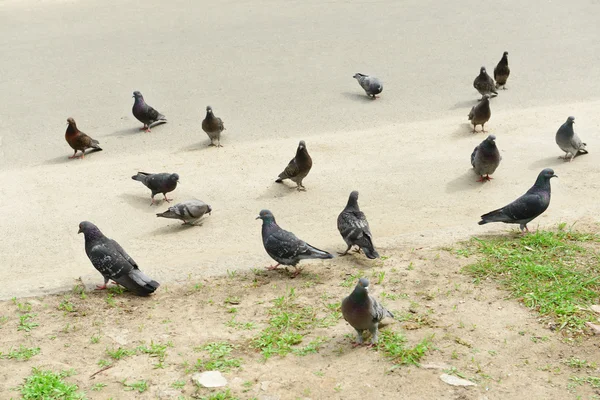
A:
{"points": [[272, 267], [296, 272], [484, 178], [101, 287]]}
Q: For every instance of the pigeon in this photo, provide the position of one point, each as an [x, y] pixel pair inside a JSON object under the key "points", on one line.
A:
{"points": [[354, 228], [501, 72], [78, 140], [363, 312], [213, 126], [188, 211], [480, 113], [145, 113], [109, 258], [568, 141], [370, 84], [486, 158], [158, 183], [283, 246], [527, 207], [484, 83], [298, 167]]}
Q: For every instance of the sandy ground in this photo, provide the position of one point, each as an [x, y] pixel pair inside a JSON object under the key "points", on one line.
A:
{"points": [[276, 75], [476, 332]]}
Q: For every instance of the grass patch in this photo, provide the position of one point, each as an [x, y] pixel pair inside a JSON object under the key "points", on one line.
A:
{"points": [[48, 385], [120, 353], [287, 325], [548, 271], [140, 386], [218, 357], [22, 353], [393, 344], [226, 395], [25, 322]]}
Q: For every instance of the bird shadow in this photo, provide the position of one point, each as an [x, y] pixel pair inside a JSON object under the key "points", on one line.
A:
{"points": [[464, 104], [546, 162], [466, 181], [124, 132], [197, 146], [276, 190], [66, 159], [465, 129], [358, 260], [357, 97], [174, 227], [143, 202]]}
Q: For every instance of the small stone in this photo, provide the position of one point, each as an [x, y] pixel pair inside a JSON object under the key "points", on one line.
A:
{"points": [[209, 379], [455, 381], [595, 308], [264, 386], [595, 328]]}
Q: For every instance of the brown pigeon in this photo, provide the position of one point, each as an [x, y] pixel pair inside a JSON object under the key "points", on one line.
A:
{"points": [[501, 72], [78, 140], [481, 113], [213, 126]]}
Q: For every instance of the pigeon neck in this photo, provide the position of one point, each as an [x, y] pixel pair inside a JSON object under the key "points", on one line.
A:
{"points": [[92, 234], [359, 294], [352, 204], [542, 182], [139, 100], [302, 153], [72, 129], [504, 60]]}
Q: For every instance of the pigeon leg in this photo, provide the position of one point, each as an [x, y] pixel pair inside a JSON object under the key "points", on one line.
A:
{"points": [[484, 178], [474, 129], [102, 287], [167, 200], [74, 155], [346, 252], [272, 267], [296, 272], [483, 128], [152, 202], [359, 339], [374, 333]]}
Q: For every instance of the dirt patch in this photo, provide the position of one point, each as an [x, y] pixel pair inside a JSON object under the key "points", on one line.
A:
{"points": [[475, 332]]}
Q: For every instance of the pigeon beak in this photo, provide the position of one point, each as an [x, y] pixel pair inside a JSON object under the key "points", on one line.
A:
{"points": [[257, 218], [554, 176], [79, 231], [366, 288]]}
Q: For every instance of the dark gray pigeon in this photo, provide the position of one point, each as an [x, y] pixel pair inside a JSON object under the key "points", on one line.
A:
{"points": [[484, 83], [527, 207], [363, 312], [501, 72], [486, 158], [158, 183], [213, 126], [371, 85], [145, 113], [568, 141], [298, 167], [283, 246], [188, 211], [354, 228], [109, 258], [480, 113]]}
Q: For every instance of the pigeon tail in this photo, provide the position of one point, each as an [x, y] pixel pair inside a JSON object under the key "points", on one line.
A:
{"points": [[313, 252], [370, 252], [168, 214], [138, 283], [494, 216], [141, 176]]}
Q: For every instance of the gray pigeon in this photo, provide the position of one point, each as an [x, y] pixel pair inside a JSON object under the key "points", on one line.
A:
{"points": [[480, 113], [484, 83], [527, 207], [568, 141], [213, 126], [298, 167], [501, 72], [363, 312], [486, 158], [283, 246], [354, 228], [109, 258], [370, 84], [158, 183], [145, 113], [188, 211]]}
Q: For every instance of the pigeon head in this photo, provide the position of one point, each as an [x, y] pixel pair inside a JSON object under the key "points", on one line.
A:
{"points": [[571, 120], [361, 290], [505, 54], [209, 110], [266, 216], [486, 97], [358, 75], [491, 138], [209, 208], [138, 95], [482, 71], [71, 121], [174, 177], [353, 200], [544, 177], [363, 283], [89, 230]]}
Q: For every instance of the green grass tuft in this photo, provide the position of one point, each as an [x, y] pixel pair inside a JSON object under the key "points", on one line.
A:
{"points": [[226, 395], [22, 353], [550, 272], [218, 357], [140, 386], [393, 344], [48, 385]]}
